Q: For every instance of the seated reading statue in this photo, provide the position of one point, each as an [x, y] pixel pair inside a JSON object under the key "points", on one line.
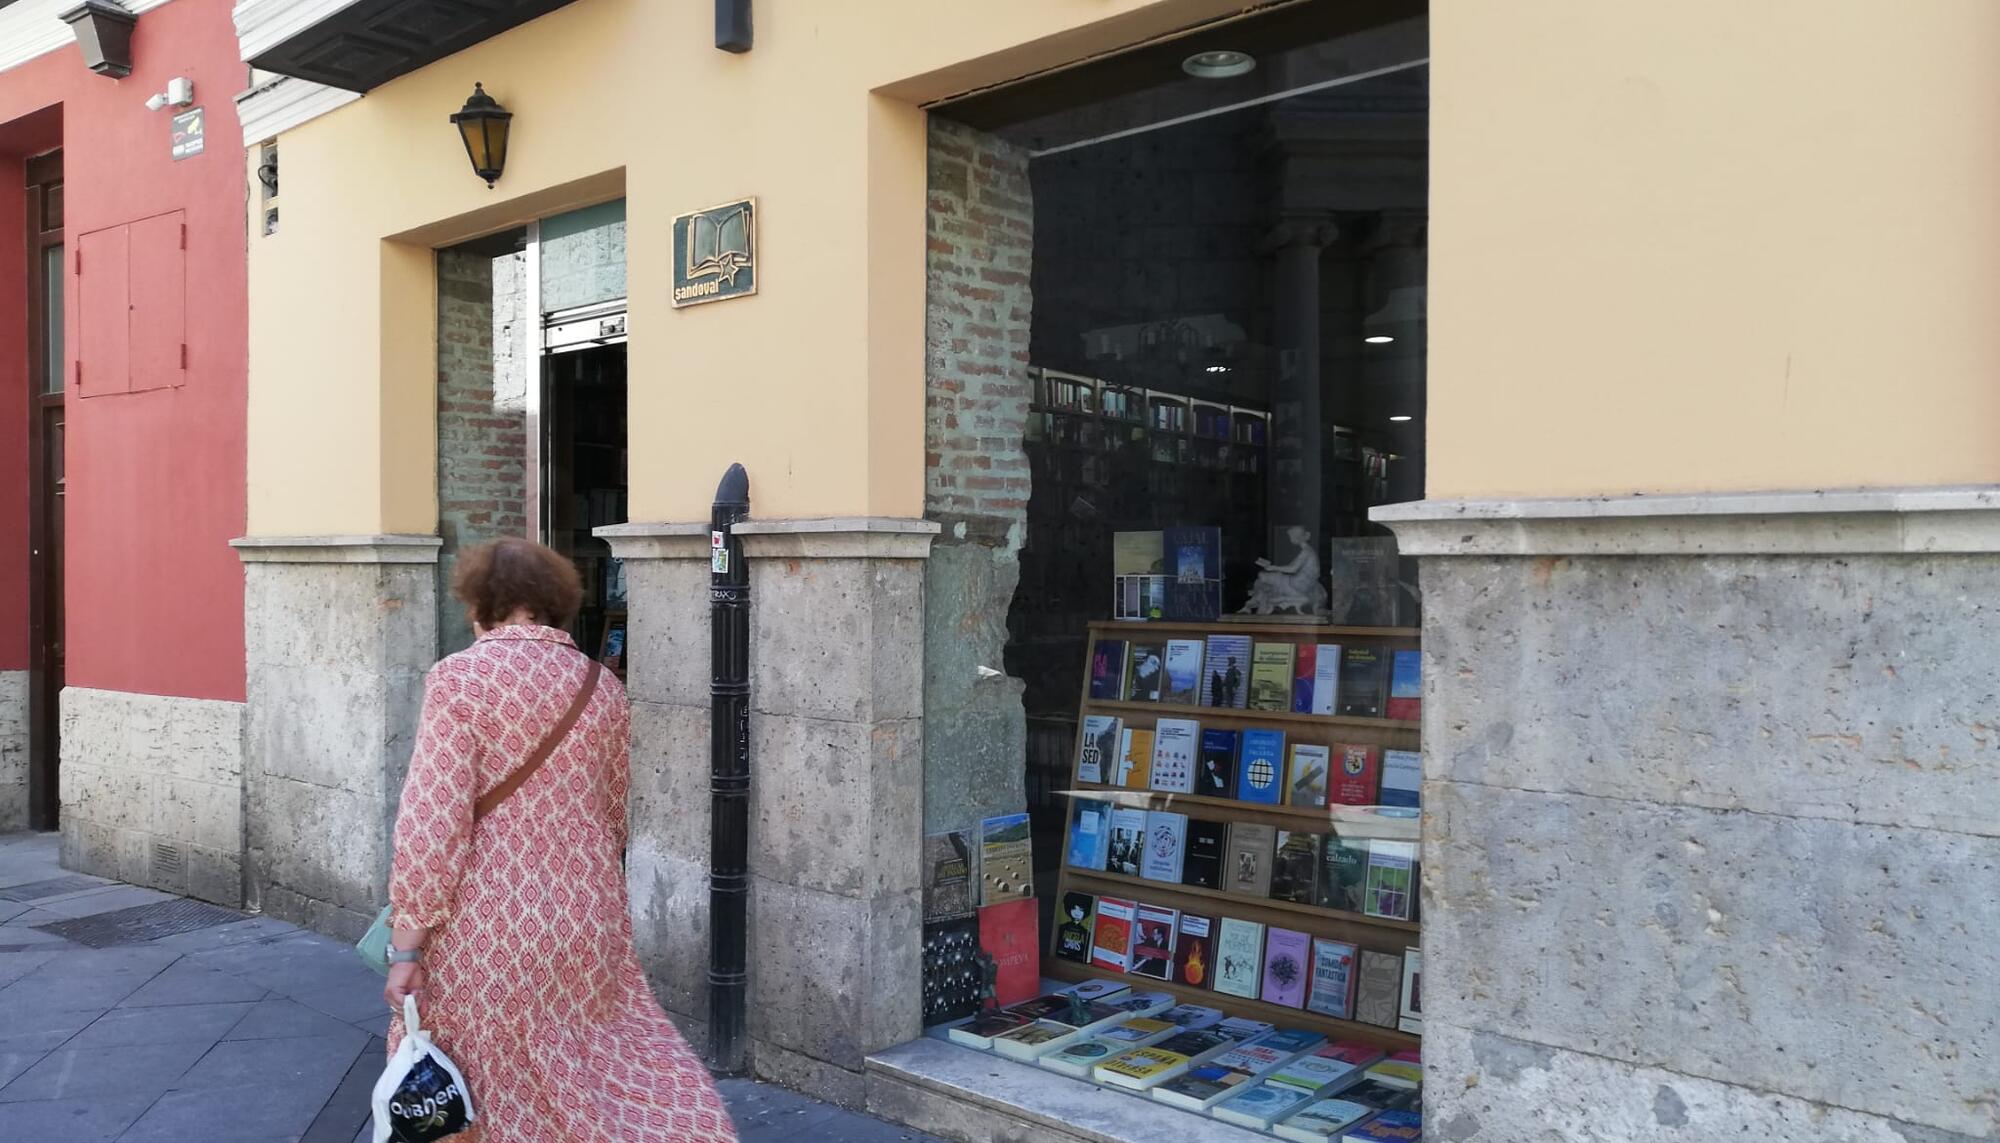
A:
{"points": [[1292, 586]]}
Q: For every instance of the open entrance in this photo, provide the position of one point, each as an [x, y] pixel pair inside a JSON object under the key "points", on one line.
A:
{"points": [[46, 374]]}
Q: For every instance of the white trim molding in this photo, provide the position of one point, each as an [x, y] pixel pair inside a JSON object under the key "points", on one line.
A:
{"points": [[1863, 521], [264, 24], [276, 106], [839, 537], [32, 28], [655, 541], [389, 549]]}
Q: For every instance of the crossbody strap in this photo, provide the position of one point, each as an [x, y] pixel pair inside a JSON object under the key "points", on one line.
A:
{"points": [[556, 734]]}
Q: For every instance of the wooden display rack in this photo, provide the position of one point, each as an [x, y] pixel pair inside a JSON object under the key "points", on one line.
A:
{"points": [[1361, 930]]}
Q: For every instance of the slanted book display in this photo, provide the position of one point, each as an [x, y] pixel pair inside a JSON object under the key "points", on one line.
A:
{"points": [[1226, 813]]}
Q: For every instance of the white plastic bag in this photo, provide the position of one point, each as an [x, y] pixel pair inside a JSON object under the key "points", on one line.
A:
{"points": [[421, 1096]]}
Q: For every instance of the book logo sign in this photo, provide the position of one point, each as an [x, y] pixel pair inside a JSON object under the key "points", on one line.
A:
{"points": [[1354, 763], [715, 253], [188, 133]]}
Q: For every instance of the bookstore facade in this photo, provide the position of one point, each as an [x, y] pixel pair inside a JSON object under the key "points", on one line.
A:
{"points": [[1243, 527]]}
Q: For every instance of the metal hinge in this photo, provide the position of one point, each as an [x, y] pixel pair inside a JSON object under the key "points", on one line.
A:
{"points": [[184, 356], [184, 235], [79, 262]]}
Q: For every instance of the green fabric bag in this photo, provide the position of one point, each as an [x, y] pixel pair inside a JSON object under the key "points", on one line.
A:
{"points": [[373, 948]]}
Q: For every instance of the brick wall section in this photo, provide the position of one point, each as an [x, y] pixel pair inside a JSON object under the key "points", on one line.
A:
{"points": [[981, 232], [482, 418]]}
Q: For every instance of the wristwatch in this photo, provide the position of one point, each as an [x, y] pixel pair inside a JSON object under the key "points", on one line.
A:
{"points": [[405, 956]]}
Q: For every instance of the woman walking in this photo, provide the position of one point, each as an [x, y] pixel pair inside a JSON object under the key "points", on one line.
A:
{"points": [[515, 932]]}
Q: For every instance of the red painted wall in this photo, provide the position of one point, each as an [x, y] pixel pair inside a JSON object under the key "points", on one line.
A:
{"points": [[155, 478]]}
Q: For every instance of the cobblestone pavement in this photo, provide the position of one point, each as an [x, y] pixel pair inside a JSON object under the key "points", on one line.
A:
{"points": [[242, 1030]]}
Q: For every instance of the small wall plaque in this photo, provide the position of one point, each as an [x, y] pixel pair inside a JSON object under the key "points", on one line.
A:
{"points": [[715, 253], [188, 133]]}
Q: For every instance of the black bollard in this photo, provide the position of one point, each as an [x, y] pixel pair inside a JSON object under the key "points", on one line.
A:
{"points": [[729, 774]]}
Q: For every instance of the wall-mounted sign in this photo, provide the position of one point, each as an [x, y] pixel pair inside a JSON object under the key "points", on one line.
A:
{"points": [[715, 253], [187, 133]]}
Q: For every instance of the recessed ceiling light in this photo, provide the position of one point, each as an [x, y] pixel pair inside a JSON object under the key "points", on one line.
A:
{"points": [[1220, 64], [1218, 369], [1404, 417], [1379, 339]]}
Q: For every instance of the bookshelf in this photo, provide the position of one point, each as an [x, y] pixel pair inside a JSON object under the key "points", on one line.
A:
{"points": [[1363, 931]]}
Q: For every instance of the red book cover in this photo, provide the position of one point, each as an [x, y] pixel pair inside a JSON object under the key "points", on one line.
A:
{"points": [[1356, 776], [1009, 933], [1113, 947], [1194, 951], [1303, 669]]}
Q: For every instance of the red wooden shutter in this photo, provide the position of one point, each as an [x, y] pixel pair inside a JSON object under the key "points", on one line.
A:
{"points": [[104, 312], [159, 302]]}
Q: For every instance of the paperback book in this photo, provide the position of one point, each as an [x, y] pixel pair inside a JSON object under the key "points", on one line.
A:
{"points": [[1208, 1084], [1105, 990], [1326, 678], [1192, 1017], [1194, 570], [1127, 848], [1261, 1105], [1404, 1070], [1176, 743], [1097, 746], [1143, 1069], [1380, 1096], [1144, 1003], [1391, 874], [1250, 849], [1402, 779], [1239, 954], [1138, 1032], [1010, 933], [1108, 660], [1287, 967], [1322, 1120], [1327, 1068], [1225, 672], [1364, 679], [979, 1031], [1332, 991], [1406, 686], [1261, 770], [1006, 861], [1166, 846], [1357, 778], [1076, 929], [1153, 941], [1242, 1028], [1378, 992], [1090, 835], [1343, 873], [1305, 665], [1412, 1012], [947, 876], [1134, 769], [1295, 867], [1307, 777], [1207, 845], [1183, 685], [1059, 1029], [1271, 676], [1147, 672], [1194, 951], [1217, 776], [1396, 1125], [1079, 1058], [1111, 946]]}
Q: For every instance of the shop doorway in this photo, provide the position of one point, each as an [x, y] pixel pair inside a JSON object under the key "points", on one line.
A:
{"points": [[583, 474], [46, 467]]}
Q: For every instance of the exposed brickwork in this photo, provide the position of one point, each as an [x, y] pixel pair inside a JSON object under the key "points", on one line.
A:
{"points": [[981, 231], [482, 416]]}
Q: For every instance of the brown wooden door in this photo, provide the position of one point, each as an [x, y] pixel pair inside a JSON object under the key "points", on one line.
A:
{"points": [[47, 377]]}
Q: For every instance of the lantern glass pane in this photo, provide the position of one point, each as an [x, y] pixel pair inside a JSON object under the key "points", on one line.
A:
{"points": [[474, 134], [496, 144]]}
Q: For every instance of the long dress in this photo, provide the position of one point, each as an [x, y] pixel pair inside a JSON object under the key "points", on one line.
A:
{"points": [[532, 985]]}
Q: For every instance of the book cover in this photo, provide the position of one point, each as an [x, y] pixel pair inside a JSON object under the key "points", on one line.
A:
{"points": [[1260, 1105], [1176, 743], [1207, 846], [1304, 666], [1225, 671], [1411, 1013], [1202, 1086], [1136, 553], [1076, 927], [1107, 670], [1271, 676], [1322, 1121], [1006, 864], [1166, 846], [1127, 848], [1217, 776], [1381, 1096], [1192, 1017], [1090, 834], [979, 1031], [1332, 992], [947, 876], [1194, 951], [1142, 1069], [1097, 746], [1326, 678], [1287, 967], [1357, 778], [1030, 1041], [1153, 942], [1135, 759], [1343, 872], [1406, 686], [1291, 1041], [1194, 571], [1295, 867], [1146, 673], [1098, 990], [1319, 1070], [1239, 954], [1138, 1032], [1183, 685], [1079, 1058], [1112, 946], [1250, 848], [1378, 990], [1260, 773], [1402, 779], [1144, 1003], [1010, 933], [1242, 1028], [1364, 679], [1306, 779], [1396, 1125], [1403, 1071], [1391, 888]]}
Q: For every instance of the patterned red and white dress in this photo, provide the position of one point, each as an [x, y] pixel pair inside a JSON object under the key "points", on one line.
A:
{"points": [[532, 984]]}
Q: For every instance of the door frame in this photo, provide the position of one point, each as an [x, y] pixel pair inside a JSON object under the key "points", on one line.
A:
{"points": [[45, 594]]}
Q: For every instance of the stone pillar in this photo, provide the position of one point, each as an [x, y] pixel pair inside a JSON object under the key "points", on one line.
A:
{"points": [[1298, 423], [338, 632], [1712, 830]]}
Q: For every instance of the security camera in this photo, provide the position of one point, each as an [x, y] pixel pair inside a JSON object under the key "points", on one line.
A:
{"points": [[156, 101], [179, 93]]}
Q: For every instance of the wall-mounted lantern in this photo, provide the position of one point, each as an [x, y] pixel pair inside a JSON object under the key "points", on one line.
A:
{"points": [[483, 125], [104, 32]]}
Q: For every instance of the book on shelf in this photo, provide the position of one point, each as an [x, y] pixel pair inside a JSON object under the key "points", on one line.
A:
{"points": [[1406, 686], [1134, 770], [1090, 834], [1193, 1017], [1287, 967], [1176, 745], [1108, 662], [1239, 958], [1010, 933], [1306, 778], [1207, 847], [1271, 676], [1304, 665], [1097, 746], [947, 876], [1260, 771], [1127, 849], [1153, 941], [1403, 1070], [1327, 1068], [1402, 779], [1356, 777], [1194, 950], [1138, 597], [1143, 1069], [1057, 1029], [1194, 570], [1322, 1120], [1332, 992], [1138, 1031], [1261, 1105], [1136, 553], [1111, 947], [1379, 988], [979, 1031], [1076, 928], [1396, 1125], [1364, 680], [1106, 990], [1079, 1058], [1368, 564], [1136, 1003], [1251, 845], [1225, 671], [1242, 1028], [1326, 678], [1380, 1096], [1217, 776], [1295, 867], [1411, 1013], [1166, 846], [1391, 887], [1205, 1085], [1343, 873], [1146, 672], [1183, 685], [1006, 859]]}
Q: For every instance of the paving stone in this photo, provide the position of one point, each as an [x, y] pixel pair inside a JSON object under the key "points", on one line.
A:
{"points": [[102, 901], [15, 965], [13, 1064], [279, 1018], [285, 964], [56, 888], [300, 1066], [346, 1002], [247, 931], [351, 1106], [377, 1024], [250, 1113], [192, 984], [80, 981], [98, 1119], [183, 1023], [79, 1073], [39, 1031]]}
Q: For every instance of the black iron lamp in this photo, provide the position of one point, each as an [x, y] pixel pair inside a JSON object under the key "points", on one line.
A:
{"points": [[104, 33], [483, 124]]}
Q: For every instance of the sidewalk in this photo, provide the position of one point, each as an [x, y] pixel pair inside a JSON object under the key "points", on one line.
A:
{"points": [[132, 1015]]}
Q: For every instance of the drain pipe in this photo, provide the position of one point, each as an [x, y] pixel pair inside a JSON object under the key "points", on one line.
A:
{"points": [[729, 773]]}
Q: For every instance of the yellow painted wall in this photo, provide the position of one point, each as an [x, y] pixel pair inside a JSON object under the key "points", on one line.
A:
{"points": [[815, 384], [1713, 245]]}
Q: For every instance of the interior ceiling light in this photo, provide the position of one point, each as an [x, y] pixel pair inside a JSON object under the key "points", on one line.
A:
{"points": [[1218, 369], [1220, 64], [1379, 339], [1403, 417]]}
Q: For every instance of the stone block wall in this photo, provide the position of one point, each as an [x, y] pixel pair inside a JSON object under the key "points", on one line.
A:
{"points": [[1711, 848], [152, 791], [13, 750]]}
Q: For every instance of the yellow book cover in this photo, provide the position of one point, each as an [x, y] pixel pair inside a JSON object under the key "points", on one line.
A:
{"points": [[1271, 676], [1135, 770], [1142, 1063]]}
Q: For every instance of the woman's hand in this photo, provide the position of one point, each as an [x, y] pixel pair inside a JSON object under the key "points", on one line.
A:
{"points": [[404, 980]]}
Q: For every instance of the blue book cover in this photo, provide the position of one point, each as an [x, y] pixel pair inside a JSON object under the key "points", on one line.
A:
{"points": [[1406, 686], [1090, 835], [1391, 1126], [1293, 1040], [1260, 776], [1194, 573]]}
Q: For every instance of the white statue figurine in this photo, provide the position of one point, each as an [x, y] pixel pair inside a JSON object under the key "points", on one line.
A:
{"points": [[1292, 586]]}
